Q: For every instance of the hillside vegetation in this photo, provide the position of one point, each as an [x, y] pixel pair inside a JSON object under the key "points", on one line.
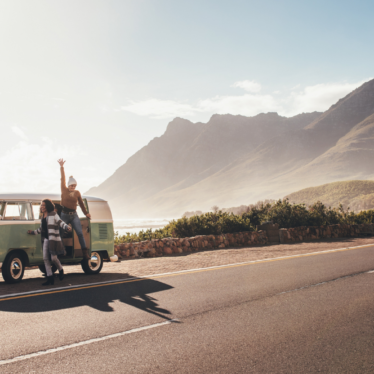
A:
{"points": [[282, 212], [356, 195]]}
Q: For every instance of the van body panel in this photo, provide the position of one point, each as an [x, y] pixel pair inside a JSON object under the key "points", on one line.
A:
{"points": [[14, 236], [102, 237]]}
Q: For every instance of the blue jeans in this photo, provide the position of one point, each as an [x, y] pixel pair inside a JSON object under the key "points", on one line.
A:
{"points": [[76, 224]]}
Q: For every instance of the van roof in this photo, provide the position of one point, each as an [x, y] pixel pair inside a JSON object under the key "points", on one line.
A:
{"points": [[39, 196]]}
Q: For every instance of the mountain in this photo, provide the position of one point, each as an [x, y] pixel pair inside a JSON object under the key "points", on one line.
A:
{"points": [[358, 195], [234, 160], [185, 155]]}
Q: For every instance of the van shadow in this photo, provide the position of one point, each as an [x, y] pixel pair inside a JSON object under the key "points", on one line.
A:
{"points": [[135, 292]]}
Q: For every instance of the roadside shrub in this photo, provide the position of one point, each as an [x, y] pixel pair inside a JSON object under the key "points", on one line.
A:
{"points": [[282, 212], [287, 215], [365, 216], [209, 224], [141, 236]]}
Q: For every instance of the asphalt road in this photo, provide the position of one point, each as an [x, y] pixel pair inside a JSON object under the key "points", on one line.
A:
{"points": [[306, 314]]}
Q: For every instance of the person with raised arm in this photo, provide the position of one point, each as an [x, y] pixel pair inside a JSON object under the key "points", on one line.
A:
{"points": [[70, 198]]}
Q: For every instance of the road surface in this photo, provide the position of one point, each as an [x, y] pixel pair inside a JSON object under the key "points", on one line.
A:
{"points": [[303, 314]]}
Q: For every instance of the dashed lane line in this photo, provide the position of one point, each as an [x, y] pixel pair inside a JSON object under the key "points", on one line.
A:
{"points": [[163, 275], [85, 342]]}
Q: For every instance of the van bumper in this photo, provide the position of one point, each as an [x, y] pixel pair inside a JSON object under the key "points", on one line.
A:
{"points": [[114, 258]]}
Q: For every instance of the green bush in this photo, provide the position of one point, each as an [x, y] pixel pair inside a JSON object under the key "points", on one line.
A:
{"points": [[365, 216], [142, 235], [209, 224], [282, 212]]}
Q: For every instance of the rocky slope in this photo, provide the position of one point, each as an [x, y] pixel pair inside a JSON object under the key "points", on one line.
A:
{"points": [[233, 160]]}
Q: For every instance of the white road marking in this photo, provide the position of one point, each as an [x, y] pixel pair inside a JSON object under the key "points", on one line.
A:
{"points": [[371, 271], [85, 342], [178, 272]]}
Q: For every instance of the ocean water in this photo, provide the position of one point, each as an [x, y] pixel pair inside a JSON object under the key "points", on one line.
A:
{"points": [[135, 225]]}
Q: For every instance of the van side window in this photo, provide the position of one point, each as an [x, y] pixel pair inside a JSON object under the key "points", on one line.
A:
{"points": [[17, 211], [36, 210]]}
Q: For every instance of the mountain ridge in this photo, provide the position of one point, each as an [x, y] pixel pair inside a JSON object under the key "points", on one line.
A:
{"points": [[234, 160]]}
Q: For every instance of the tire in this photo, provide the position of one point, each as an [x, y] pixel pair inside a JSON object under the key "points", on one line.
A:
{"points": [[42, 268], [13, 268], [94, 265]]}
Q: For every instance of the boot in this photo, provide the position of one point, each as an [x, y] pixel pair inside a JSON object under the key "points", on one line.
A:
{"points": [[50, 281], [61, 274], [86, 256]]}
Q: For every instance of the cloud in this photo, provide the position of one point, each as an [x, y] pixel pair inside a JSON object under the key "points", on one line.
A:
{"points": [[155, 108], [297, 100], [246, 104], [250, 86], [19, 132], [318, 97]]}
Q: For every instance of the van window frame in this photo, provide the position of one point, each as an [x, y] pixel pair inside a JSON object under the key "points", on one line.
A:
{"points": [[4, 205], [35, 203]]}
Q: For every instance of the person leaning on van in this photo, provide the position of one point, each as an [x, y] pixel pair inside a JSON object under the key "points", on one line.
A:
{"points": [[51, 239], [70, 198]]}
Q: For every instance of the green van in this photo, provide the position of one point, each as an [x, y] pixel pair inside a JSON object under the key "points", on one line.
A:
{"points": [[21, 212]]}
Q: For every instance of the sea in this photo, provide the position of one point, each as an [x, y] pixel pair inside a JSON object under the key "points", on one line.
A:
{"points": [[122, 226]]}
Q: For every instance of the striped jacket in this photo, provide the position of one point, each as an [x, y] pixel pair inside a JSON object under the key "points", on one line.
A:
{"points": [[55, 243]]}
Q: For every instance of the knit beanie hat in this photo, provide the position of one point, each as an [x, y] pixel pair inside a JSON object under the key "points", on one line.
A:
{"points": [[71, 181]]}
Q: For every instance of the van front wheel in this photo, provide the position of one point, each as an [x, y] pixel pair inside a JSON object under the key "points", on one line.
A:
{"points": [[13, 268], [94, 264]]}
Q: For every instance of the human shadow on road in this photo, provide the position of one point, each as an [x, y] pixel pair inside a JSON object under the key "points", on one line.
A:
{"points": [[135, 292]]}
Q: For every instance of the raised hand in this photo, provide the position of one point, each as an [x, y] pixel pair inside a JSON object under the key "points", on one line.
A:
{"points": [[61, 162]]}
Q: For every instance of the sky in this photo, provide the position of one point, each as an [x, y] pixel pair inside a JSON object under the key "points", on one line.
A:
{"points": [[93, 81]]}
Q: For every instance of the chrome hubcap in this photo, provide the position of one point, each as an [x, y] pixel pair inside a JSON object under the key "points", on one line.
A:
{"points": [[95, 261], [16, 268]]}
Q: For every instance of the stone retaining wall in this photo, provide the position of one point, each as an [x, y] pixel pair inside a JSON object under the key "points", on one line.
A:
{"points": [[169, 246]]}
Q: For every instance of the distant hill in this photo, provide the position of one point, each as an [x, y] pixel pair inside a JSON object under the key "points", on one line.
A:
{"points": [[358, 195], [235, 160]]}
